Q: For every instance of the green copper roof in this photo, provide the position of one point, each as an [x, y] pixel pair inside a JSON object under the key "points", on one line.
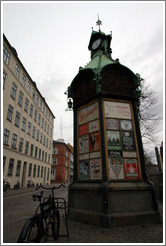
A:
{"points": [[100, 60]]}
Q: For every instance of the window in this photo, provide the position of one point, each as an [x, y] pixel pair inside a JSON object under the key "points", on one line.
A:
{"points": [[30, 170], [41, 137], [49, 158], [38, 171], [4, 161], [44, 140], [48, 129], [50, 144], [48, 174], [54, 161], [23, 80], [39, 117], [17, 119], [42, 122], [31, 152], [37, 135], [33, 132], [42, 172], [39, 154], [45, 156], [40, 104], [55, 150], [50, 132], [23, 124], [34, 171], [13, 91], [29, 128], [14, 141], [26, 105], [17, 71], [6, 55], [26, 147], [53, 173], [10, 167], [36, 150], [31, 110], [35, 115], [4, 79], [21, 144], [37, 99], [29, 88], [18, 168], [6, 137], [33, 94], [20, 98], [45, 126], [47, 142], [43, 109]]}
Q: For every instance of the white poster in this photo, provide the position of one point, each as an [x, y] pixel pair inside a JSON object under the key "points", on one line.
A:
{"points": [[94, 126], [83, 144], [117, 110], [95, 169], [88, 114]]}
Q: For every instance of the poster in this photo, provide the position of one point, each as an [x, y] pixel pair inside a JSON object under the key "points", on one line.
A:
{"points": [[84, 157], [83, 144], [117, 110], [95, 169], [96, 154], [113, 140], [132, 154], [94, 141], [88, 114], [131, 169], [116, 169], [114, 153], [84, 170], [94, 126], [128, 141], [126, 125], [112, 124], [83, 129]]}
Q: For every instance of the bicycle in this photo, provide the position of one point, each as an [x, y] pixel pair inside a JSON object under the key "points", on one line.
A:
{"points": [[37, 228]]}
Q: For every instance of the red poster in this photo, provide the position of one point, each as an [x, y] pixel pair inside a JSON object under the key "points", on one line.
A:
{"points": [[94, 141], [131, 169], [84, 129]]}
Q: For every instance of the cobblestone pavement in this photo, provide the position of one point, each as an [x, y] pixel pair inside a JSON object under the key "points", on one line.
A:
{"points": [[84, 233]]}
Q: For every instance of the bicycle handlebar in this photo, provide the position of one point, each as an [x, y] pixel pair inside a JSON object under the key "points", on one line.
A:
{"points": [[50, 188]]}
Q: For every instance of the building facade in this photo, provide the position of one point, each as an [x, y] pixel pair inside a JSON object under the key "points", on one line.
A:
{"points": [[28, 125], [62, 162]]}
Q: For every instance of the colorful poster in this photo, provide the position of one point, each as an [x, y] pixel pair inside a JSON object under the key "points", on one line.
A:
{"points": [[96, 154], [131, 169], [94, 126], [114, 153], [128, 141], [112, 124], [94, 141], [84, 170], [116, 168], [113, 140], [95, 169], [117, 110], [83, 144], [88, 114], [83, 129], [126, 125]]}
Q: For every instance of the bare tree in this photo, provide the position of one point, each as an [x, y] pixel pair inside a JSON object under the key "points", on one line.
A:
{"points": [[148, 114]]}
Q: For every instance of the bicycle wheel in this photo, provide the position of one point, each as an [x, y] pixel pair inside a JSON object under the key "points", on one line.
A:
{"points": [[55, 224], [31, 231]]}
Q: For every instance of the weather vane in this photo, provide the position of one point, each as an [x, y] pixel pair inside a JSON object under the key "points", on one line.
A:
{"points": [[98, 23]]}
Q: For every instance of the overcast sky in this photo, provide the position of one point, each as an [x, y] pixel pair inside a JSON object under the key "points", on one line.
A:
{"points": [[51, 39]]}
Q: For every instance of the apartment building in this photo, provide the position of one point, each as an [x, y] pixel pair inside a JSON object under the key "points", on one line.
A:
{"points": [[28, 124], [62, 162]]}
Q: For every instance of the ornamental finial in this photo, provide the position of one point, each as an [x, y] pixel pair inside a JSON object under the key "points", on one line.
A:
{"points": [[98, 23]]}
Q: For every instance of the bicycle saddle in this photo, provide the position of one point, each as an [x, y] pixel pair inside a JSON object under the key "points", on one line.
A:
{"points": [[38, 196]]}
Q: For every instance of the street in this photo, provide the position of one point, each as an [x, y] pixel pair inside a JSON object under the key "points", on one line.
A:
{"points": [[18, 206]]}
